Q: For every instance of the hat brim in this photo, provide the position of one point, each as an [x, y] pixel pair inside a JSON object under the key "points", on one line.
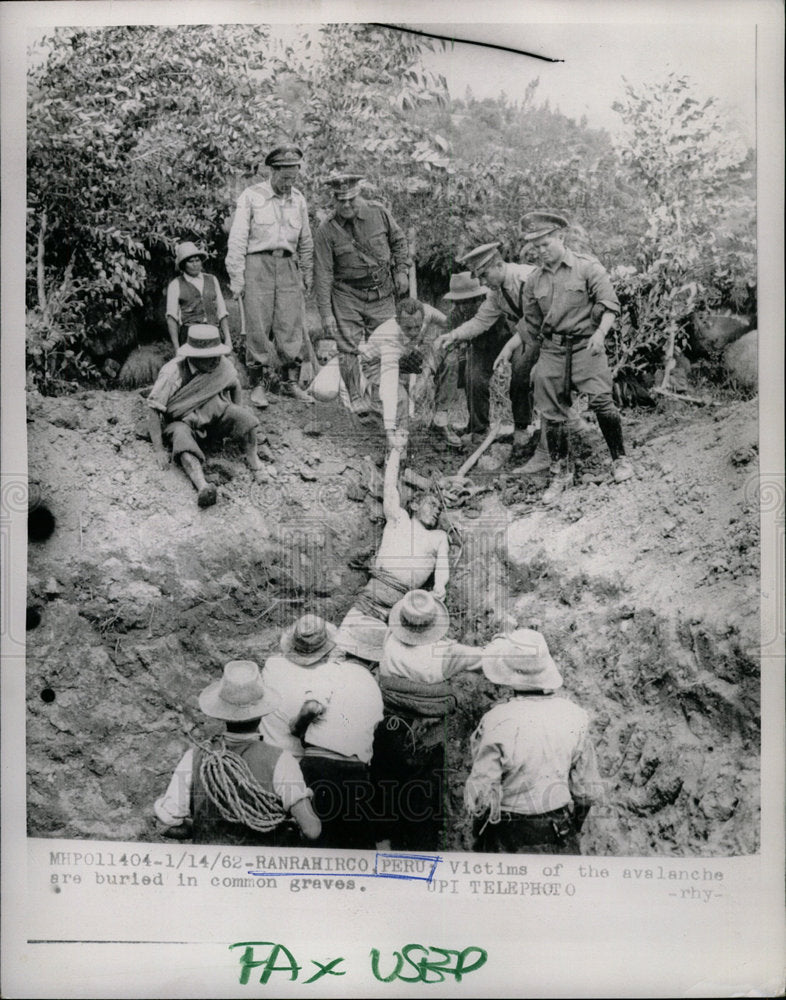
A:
{"points": [[184, 260], [495, 669], [529, 237], [419, 637], [211, 704], [187, 351], [347, 195], [472, 294], [306, 659]]}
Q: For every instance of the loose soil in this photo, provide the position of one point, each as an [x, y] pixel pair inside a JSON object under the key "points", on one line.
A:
{"points": [[647, 593]]}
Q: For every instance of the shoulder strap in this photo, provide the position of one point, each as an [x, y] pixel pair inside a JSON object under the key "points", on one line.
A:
{"points": [[363, 249]]}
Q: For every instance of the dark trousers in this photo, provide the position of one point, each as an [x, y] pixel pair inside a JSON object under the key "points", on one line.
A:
{"points": [[409, 779], [554, 832], [480, 364], [343, 800]]}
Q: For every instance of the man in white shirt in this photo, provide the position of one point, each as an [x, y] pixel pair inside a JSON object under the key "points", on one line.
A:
{"points": [[270, 262], [194, 297], [208, 796], [398, 349], [337, 722], [412, 548], [534, 773]]}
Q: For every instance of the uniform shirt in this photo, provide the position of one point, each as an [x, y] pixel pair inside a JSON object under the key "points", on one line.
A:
{"points": [[174, 806], [176, 373], [352, 705], [495, 304], [338, 259], [431, 663], [287, 686], [173, 295], [265, 220], [560, 299], [380, 356], [531, 755]]}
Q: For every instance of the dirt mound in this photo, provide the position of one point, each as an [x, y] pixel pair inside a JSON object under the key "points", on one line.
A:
{"points": [[647, 594]]}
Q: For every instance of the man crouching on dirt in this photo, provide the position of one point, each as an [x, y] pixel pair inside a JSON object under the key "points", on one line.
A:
{"points": [[412, 548], [195, 393]]}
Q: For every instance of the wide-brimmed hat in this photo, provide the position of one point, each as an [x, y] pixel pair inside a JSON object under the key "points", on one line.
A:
{"points": [[419, 617], [308, 640], [183, 251], [478, 258], [345, 186], [464, 285], [203, 341], [284, 156], [537, 224], [521, 660], [238, 696]]}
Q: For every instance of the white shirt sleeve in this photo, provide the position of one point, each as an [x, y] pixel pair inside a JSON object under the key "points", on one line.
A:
{"points": [[221, 306], [174, 806], [288, 781], [173, 300]]}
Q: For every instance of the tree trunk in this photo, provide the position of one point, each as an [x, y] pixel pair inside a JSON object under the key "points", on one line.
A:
{"points": [[40, 266]]}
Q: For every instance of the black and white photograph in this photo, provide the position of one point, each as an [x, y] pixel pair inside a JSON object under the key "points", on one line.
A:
{"points": [[460, 556]]}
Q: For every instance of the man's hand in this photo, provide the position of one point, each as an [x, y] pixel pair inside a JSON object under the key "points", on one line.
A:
{"points": [[163, 459], [402, 283], [503, 356], [396, 439], [237, 291], [439, 593], [330, 327], [597, 343], [444, 341]]}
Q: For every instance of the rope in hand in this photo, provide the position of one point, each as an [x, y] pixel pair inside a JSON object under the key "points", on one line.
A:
{"points": [[235, 792]]}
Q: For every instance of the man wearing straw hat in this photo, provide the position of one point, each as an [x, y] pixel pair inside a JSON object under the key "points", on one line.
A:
{"points": [[534, 773], [291, 674], [412, 548], [505, 283], [194, 297], [237, 790], [561, 300], [270, 263], [362, 264], [197, 393], [408, 766]]}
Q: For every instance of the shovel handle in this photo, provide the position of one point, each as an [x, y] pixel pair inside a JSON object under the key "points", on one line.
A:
{"points": [[487, 441]]}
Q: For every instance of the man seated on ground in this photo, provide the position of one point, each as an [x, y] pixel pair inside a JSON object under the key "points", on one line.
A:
{"points": [[412, 548], [399, 348], [238, 790], [534, 774], [408, 766], [197, 393], [336, 723]]}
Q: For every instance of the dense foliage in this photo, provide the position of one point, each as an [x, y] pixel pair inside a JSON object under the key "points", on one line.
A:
{"points": [[139, 137]]}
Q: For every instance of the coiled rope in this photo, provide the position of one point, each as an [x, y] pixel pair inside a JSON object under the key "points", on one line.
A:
{"points": [[232, 788]]}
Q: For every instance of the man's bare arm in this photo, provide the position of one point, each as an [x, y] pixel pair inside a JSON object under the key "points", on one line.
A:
{"points": [[391, 501]]}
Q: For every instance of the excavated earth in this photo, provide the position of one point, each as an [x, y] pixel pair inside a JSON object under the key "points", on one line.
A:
{"points": [[647, 593]]}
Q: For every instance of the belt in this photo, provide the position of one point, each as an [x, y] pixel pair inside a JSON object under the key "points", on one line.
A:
{"points": [[276, 253], [560, 339], [368, 292]]}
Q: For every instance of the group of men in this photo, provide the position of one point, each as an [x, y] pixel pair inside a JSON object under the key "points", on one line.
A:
{"points": [[341, 738], [548, 321]]}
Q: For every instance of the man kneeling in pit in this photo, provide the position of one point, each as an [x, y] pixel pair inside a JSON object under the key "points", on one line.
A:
{"points": [[197, 393]]}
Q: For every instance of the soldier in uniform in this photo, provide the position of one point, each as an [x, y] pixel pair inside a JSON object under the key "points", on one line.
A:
{"points": [[505, 282], [270, 258], [361, 265], [559, 299]]}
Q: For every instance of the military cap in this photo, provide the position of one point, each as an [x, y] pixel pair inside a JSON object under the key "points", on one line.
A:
{"points": [[284, 156], [345, 186], [537, 224], [478, 258]]}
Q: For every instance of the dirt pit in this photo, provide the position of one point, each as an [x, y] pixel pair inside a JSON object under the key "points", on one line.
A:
{"points": [[647, 594]]}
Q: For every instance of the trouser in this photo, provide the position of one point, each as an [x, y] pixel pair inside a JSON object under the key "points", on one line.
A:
{"points": [[409, 779], [343, 800], [554, 832], [480, 364], [275, 311], [236, 421], [358, 313], [592, 376]]}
